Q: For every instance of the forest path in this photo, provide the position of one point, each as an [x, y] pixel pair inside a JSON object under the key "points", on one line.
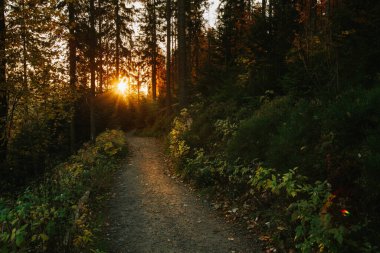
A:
{"points": [[151, 212]]}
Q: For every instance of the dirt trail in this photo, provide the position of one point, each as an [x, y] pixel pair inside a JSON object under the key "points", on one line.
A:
{"points": [[151, 212]]}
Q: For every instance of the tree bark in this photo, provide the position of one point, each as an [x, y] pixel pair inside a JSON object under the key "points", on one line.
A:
{"points": [[3, 87], [154, 51], [100, 65], [264, 8], [182, 53], [24, 51], [92, 70], [72, 71], [118, 39], [138, 85], [168, 52]]}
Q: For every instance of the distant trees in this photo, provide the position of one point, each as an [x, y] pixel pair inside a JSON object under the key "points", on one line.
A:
{"points": [[181, 26], [33, 91], [123, 30], [105, 40], [153, 43], [151, 21], [263, 46], [232, 17], [59, 56]]}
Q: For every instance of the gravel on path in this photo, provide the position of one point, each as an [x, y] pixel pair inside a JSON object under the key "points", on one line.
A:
{"points": [[151, 212]]}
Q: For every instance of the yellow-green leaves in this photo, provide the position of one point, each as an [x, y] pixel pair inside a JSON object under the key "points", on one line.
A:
{"points": [[182, 124], [42, 214]]}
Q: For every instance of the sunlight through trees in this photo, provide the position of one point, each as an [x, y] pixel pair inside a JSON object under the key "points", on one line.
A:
{"points": [[249, 90]]}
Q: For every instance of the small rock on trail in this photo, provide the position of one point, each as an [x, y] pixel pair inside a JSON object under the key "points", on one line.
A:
{"points": [[151, 212]]}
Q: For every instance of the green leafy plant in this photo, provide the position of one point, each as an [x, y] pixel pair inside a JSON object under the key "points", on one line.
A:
{"points": [[177, 144], [43, 216], [308, 209]]}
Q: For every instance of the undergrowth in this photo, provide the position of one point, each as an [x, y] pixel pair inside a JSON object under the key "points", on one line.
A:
{"points": [[306, 167], [53, 216]]}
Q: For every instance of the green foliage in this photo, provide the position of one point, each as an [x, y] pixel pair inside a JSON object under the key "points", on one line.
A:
{"points": [[35, 148], [40, 219], [213, 124], [314, 81], [159, 123], [225, 128], [314, 229], [147, 113], [204, 169], [303, 201], [198, 168], [253, 135], [327, 140], [177, 145], [297, 140]]}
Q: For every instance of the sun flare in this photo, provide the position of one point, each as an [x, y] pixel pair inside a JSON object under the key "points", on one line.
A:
{"points": [[129, 87], [144, 90], [122, 87]]}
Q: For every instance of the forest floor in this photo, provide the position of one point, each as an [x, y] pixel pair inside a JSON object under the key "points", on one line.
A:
{"points": [[153, 211]]}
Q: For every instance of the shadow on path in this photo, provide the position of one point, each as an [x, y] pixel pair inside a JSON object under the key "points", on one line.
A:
{"points": [[151, 212]]}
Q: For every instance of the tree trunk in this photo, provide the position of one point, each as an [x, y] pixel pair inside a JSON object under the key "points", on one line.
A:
{"points": [[209, 47], [264, 8], [92, 70], [182, 53], [174, 75], [3, 87], [24, 51], [72, 71], [100, 65], [154, 52], [313, 15], [118, 39], [168, 52], [107, 66]]}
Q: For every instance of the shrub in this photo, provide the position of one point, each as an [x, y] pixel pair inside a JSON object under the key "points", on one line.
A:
{"points": [[253, 135], [333, 142], [43, 216], [34, 149], [177, 144], [308, 209], [353, 122], [295, 144]]}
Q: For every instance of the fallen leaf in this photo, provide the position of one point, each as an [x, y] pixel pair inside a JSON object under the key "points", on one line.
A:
{"points": [[264, 238]]}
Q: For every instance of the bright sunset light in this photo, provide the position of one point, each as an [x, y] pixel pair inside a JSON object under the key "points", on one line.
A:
{"points": [[144, 90], [122, 86]]}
